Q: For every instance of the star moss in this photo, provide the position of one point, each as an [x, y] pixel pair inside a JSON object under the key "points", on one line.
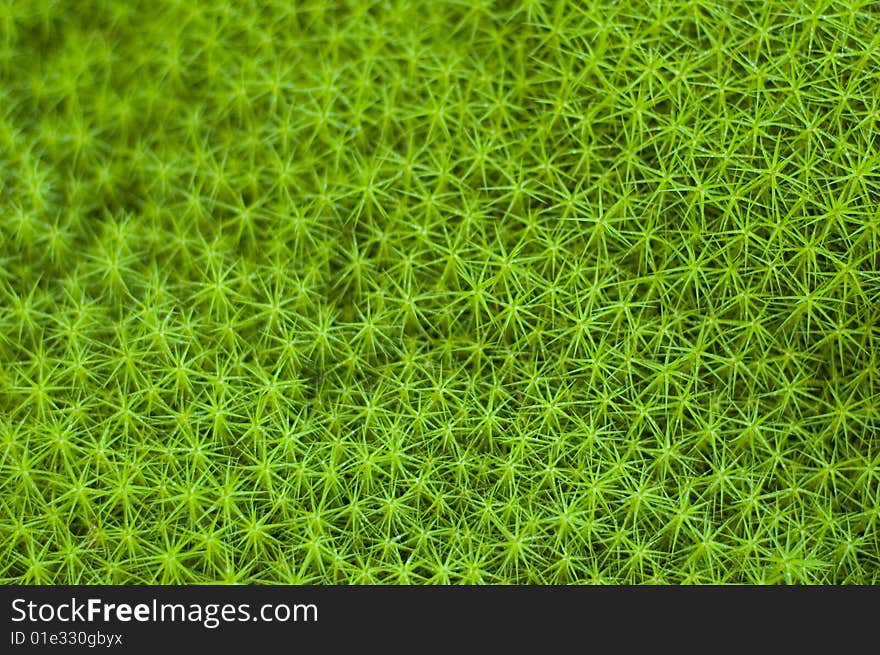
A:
{"points": [[439, 292]]}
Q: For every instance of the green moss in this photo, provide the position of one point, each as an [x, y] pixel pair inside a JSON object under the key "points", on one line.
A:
{"points": [[439, 292]]}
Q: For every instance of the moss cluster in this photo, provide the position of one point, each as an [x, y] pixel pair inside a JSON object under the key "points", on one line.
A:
{"points": [[445, 291]]}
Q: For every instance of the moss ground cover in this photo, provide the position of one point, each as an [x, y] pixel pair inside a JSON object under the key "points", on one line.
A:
{"points": [[429, 292]]}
